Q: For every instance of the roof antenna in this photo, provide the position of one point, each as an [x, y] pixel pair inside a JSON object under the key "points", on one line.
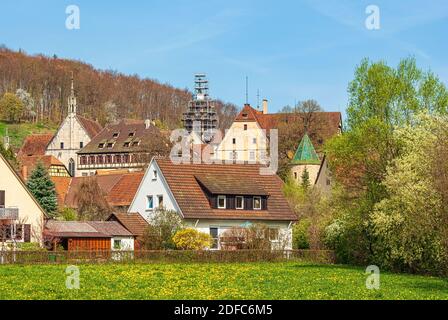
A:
{"points": [[258, 99], [247, 90]]}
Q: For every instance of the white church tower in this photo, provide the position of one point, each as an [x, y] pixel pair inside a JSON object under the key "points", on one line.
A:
{"points": [[73, 134]]}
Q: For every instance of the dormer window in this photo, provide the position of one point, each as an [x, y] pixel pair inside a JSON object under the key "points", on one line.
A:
{"points": [[116, 134], [101, 145], [245, 115], [131, 134], [257, 203], [126, 144], [135, 143], [110, 145], [221, 202]]}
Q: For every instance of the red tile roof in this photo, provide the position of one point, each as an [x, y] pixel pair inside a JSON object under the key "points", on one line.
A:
{"points": [[61, 184], [92, 127], [323, 125], [193, 201], [123, 192], [30, 162], [35, 145], [112, 228], [118, 189], [134, 222]]}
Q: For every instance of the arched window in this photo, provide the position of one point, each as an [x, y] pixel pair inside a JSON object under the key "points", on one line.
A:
{"points": [[71, 167]]}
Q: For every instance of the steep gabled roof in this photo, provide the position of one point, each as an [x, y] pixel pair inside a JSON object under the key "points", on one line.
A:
{"points": [[305, 153], [31, 162], [324, 125], [35, 145], [192, 198], [20, 180], [122, 193], [118, 189], [91, 127]]}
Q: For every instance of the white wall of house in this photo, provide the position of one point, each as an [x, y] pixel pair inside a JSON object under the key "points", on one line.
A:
{"points": [[17, 196], [152, 186], [126, 243], [250, 143], [71, 133], [324, 180], [284, 228]]}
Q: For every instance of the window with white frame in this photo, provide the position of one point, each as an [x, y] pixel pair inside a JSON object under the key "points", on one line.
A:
{"points": [[117, 244], [149, 202], [221, 202], [257, 203], [239, 202], [252, 155]]}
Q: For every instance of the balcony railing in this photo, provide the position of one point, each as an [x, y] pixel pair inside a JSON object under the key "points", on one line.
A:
{"points": [[9, 213]]}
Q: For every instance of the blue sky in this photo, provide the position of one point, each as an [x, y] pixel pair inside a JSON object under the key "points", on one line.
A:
{"points": [[290, 50]]}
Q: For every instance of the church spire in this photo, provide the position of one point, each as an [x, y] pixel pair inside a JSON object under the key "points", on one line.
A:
{"points": [[72, 98], [306, 154]]}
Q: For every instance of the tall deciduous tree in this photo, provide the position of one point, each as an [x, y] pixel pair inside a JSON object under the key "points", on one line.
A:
{"points": [[393, 95], [11, 107], [382, 99], [43, 189]]}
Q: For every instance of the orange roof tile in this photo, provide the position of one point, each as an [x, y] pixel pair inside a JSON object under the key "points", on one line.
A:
{"points": [[61, 185], [92, 127], [193, 200], [134, 222], [323, 125], [35, 145], [118, 189]]}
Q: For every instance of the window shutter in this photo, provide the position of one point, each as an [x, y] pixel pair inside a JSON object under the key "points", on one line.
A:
{"points": [[27, 233]]}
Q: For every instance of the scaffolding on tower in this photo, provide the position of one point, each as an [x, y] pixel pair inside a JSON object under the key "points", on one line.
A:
{"points": [[201, 116]]}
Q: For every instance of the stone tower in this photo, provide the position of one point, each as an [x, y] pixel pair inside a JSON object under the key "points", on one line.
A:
{"points": [[307, 159]]}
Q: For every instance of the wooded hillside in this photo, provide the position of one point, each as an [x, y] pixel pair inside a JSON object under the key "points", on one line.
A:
{"points": [[104, 95]]}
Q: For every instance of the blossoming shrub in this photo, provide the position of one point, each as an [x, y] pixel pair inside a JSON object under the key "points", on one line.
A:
{"points": [[191, 239]]}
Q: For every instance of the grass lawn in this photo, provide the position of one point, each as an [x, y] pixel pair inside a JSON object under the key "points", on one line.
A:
{"points": [[213, 281], [18, 132]]}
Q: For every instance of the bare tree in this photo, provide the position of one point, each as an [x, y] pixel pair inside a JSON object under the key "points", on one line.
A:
{"points": [[91, 201]]}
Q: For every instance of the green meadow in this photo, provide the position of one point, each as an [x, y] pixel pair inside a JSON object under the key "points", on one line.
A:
{"points": [[213, 281]]}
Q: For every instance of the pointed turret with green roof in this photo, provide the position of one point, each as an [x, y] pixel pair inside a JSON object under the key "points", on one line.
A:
{"points": [[305, 153]]}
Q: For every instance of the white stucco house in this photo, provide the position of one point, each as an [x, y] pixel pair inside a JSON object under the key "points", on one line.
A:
{"points": [[214, 198], [21, 216]]}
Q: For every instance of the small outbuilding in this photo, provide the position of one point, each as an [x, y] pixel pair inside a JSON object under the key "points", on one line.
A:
{"points": [[88, 235]]}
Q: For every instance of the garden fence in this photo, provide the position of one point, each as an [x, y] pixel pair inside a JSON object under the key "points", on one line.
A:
{"points": [[172, 256]]}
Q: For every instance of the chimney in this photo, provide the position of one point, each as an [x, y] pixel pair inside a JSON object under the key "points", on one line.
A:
{"points": [[147, 123], [25, 172], [265, 106]]}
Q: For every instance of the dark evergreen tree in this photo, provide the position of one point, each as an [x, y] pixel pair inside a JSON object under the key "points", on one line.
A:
{"points": [[305, 179], [43, 189]]}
